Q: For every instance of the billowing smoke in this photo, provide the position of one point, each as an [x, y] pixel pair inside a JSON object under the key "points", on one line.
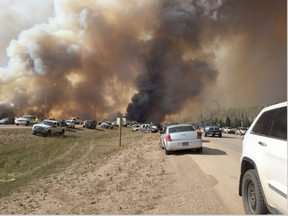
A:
{"points": [[170, 79], [152, 59]]}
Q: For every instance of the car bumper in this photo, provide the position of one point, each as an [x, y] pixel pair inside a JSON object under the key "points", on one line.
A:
{"points": [[213, 132], [178, 145], [38, 132]]}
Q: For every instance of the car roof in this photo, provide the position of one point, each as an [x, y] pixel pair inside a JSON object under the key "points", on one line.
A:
{"points": [[177, 125], [274, 106], [51, 120]]}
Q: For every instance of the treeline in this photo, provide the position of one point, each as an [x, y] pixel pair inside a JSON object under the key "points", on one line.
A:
{"points": [[228, 117]]}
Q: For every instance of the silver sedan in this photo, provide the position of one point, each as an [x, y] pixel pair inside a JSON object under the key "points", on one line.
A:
{"points": [[180, 137]]}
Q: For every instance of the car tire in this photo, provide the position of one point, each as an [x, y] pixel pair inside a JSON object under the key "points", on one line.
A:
{"points": [[62, 133], [199, 150], [252, 197], [48, 134], [34, 133], [205, 134], [27, 123], [167, 152], [220, 135]]}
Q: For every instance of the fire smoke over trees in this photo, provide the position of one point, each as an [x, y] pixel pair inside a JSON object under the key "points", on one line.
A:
{"points": [[151, 59]]}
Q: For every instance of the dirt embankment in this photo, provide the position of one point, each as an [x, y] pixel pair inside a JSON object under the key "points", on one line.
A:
{"points": [[140, 179]]}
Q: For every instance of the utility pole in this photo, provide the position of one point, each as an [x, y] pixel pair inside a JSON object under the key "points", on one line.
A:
{"points": [[46, 97], [203, 113], [218, 109]]}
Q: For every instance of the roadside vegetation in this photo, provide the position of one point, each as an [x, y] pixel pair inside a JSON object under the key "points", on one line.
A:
{"points": [[228, 117], [37, 156]]}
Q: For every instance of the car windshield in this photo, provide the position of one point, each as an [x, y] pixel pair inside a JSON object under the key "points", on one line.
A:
{"points": [[47, 123], [89, 121], [242, 128], [210, 124], [4, 119], [68, 121], [72, 119], [26, 117], [180, 129]]}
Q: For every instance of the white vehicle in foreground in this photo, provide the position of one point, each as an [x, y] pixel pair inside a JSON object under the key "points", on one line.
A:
{"points": [[25, 120], [180, 137], [263, 173], [76, 119], [48, 127], [70, 123]]}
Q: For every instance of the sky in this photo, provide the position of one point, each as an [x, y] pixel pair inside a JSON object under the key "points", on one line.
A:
{"points": [[152, 60]]}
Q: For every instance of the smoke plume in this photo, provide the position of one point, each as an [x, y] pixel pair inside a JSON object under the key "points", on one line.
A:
{"points": [[150, 60]]}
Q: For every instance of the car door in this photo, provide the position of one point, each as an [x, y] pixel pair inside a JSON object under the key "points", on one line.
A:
{"points": [[270, 143]]}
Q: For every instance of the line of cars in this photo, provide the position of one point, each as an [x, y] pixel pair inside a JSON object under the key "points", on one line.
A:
{"points": [[238, 131]]}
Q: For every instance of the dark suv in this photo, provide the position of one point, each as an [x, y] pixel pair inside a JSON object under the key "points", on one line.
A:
{"points": [[209, 127]]}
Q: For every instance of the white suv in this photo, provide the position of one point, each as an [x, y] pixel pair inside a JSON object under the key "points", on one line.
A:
{"points": [[263, 178]]}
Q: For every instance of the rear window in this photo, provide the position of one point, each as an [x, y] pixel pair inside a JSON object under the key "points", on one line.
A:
{"points": [[263, 124], [279, 127], [180, 129]]}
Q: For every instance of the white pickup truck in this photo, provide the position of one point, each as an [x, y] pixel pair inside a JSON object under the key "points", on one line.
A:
{"points": [[48, 127], [76, 119], [26, 120]]}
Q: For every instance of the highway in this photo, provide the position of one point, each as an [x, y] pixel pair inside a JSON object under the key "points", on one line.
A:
{"points": [[221, 159]]}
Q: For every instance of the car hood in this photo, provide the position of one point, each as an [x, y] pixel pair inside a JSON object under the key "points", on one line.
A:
{"points": [[41, 125]]}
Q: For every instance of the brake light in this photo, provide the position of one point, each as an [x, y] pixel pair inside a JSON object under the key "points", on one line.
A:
{"points": [[168, 138], [199, 135]]}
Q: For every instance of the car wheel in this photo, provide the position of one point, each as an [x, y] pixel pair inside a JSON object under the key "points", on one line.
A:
{"points": [[62, 133], [205, 134], [213, 135], [27, 124], [48, 133], [199, 150], [220, 135], [167, 152], [34, 133], [253, 200]]}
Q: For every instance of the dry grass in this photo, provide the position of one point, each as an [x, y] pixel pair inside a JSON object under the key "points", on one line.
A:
{"points": [[35, 156]]}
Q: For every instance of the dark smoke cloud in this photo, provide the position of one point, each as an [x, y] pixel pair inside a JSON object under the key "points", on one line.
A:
{"points": [[159, 57]]}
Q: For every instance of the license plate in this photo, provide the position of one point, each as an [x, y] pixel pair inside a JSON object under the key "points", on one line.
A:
{"points": [[185, 144]]}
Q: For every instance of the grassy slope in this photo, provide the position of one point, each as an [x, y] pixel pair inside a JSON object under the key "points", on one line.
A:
{"points": [[41, 156]]}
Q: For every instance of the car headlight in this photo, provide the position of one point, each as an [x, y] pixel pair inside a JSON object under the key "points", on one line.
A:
{"points": [[206, 128]]}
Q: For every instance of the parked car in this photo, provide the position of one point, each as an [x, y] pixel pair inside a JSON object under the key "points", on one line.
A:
{"points": [[229, 130], [135, 128], [76, 119], [241, 131], [48, 127], [180, 137], [62, 122], [26, 120], [209, 127], [107, 125], [159, 126], [90, 124], [7, 121], [170, 123], [114, 124], [263, 172], [70, 123], [146, 128]]}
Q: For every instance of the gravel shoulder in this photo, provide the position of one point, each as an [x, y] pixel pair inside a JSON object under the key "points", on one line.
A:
{"points": [[140, 179]]}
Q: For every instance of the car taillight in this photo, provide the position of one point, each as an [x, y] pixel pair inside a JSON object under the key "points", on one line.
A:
{"points": [[199, 135], [168, 138]]}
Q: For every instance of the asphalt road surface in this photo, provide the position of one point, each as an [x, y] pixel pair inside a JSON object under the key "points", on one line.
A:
{"points": [[221, 159]]}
